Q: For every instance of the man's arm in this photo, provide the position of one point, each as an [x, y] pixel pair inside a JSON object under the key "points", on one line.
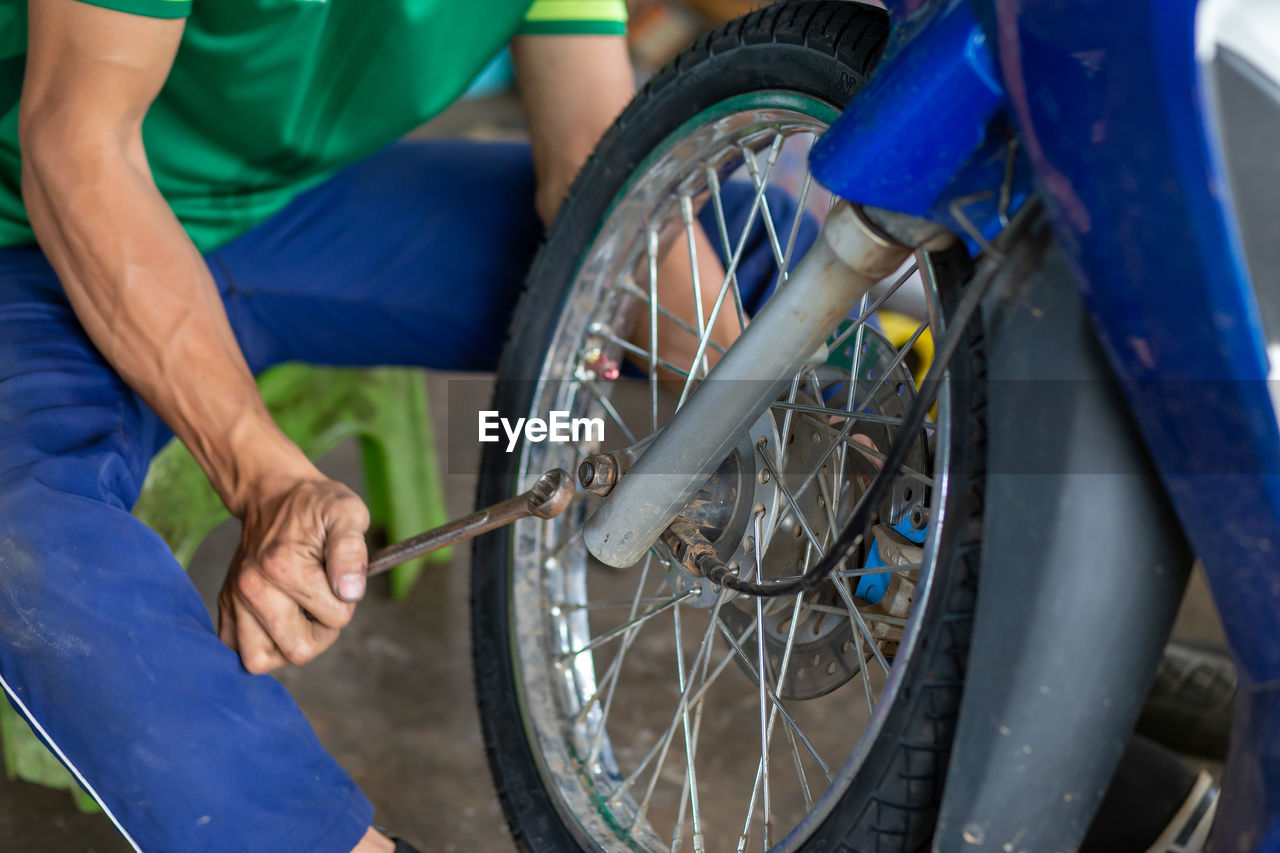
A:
{"points": [[573, 87], [145, 297]]}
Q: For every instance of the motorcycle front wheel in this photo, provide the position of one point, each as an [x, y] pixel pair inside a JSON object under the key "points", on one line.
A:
{"points": [[622, 709]]}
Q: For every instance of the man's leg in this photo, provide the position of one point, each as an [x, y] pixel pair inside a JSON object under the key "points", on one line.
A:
{"points": [[415, 256], [105, 645]]}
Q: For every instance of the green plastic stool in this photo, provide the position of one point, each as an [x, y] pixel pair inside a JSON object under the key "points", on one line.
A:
{"points": [[384, 408]]}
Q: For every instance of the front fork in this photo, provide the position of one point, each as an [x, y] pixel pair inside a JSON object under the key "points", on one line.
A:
{"points": [[851, 254]]}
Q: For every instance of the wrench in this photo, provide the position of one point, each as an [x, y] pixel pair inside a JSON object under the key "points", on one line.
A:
{"points": [[549, 496]]}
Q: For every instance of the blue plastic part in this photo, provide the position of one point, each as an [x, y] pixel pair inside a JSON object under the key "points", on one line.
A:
{"points": [[1107, 103], [1113, 119], [926, 131], [871, 588]]}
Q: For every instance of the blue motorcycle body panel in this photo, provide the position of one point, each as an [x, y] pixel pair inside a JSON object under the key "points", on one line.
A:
{"points": [[1108, 106]]}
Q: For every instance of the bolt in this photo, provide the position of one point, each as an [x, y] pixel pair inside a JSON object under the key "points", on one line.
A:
{"points": [[749, 544], [764, 476], [598, 473]]}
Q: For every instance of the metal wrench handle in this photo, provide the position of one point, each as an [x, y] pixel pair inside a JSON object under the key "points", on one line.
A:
{"points": [[549, 496]]}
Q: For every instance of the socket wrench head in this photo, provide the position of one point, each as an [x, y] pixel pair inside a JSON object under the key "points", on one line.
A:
{"points": [[551, 493]]}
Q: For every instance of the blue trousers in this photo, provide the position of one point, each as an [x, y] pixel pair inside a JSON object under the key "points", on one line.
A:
{"points": [[414, 257]]}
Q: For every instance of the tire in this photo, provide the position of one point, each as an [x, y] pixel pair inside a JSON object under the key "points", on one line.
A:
{"points": [[1189, 706], [886, 796]]}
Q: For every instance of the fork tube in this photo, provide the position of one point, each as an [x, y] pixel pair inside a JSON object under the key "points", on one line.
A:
{"points": [[849, 257]]}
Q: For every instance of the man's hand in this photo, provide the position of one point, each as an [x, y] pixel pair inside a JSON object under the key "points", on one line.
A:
{"points": [[298, 572]]}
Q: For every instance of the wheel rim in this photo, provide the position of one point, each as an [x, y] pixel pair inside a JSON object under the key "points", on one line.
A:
{"points": [[621, 776]]}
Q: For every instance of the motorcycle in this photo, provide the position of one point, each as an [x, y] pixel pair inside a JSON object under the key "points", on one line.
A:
{"points": [[833, 586]]}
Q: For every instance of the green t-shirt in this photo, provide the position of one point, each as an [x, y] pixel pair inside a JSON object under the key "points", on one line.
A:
{"points": [[267, 98]]}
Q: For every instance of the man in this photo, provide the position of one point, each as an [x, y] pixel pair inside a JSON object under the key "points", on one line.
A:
{"points": [[150, 267]]}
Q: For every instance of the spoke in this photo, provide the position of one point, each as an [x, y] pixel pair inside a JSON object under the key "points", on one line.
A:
{"points": [[766, 814], [704, 339], [782, 679], [869, 417], [869, 615], [848, 427], [660, 744], [731, 272], [858, 624], [773, 697], [837, 476], [790, 499], [880, 457], [843, 586], [854, 614], [789, 409], [873, 308], [862, 659], [641, 353], [677, 835], [791, 738], [690, 747], [608, 684], [784, 271], [782, 451], [877, 570], [607, 405], [704, 330], [604, 605], [651, 248], [753, 169], [632, 289], [665, 742], [614, 633], [713, 181], [830, 498], [829, 503]]}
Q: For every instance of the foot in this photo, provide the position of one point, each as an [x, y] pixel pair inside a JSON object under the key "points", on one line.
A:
{"points": [[376, 842]]}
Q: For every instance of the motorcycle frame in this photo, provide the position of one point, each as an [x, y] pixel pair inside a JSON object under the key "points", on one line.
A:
{"points": [[1108, 106]]}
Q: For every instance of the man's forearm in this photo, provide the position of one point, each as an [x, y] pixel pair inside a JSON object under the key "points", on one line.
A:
{"points": [[145, 297], [572, 87]]}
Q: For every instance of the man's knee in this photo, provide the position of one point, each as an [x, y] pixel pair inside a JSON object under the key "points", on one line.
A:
{"points": [[63, 557]]}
